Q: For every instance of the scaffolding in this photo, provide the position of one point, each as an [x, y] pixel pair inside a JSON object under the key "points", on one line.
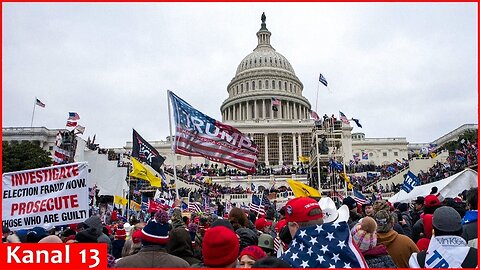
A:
{"points": [[327, 137]]}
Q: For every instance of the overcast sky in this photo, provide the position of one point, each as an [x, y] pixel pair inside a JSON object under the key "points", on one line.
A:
{"points": [[405, 70]]}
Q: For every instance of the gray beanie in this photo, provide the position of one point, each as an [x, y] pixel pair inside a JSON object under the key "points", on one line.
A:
{"points": [[447, 219]]}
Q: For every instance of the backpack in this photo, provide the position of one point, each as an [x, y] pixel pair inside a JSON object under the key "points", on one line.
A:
{"points": [[470, 260]]}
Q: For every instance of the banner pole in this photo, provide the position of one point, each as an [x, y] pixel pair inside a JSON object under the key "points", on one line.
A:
{"points": [[171, 141], [33, 113]]}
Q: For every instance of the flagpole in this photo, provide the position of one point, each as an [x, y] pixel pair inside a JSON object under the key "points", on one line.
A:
{"points": [[33, 113], [316, 101], [318, 164], [171, 141]]}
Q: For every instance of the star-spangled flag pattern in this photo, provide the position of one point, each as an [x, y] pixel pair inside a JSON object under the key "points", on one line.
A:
{"points": [[73, 116], [359, 197], [344, 118], [198, 134], [256, 205], [324, 246]]}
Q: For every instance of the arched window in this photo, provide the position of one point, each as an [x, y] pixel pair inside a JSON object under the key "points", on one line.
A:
{"points": [[253, 85], [247, 85], [266, 84], [280, 85], [241, 88], [259, 84], [285, 86], [273, 84], [291, 88]]}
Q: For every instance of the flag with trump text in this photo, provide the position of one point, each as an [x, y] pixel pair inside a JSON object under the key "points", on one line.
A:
{"points": [[328, 245], [198, 134], [144, 152]]}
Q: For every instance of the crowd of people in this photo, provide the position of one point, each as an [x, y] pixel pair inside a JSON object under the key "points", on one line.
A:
{"points": [[303, 233]]}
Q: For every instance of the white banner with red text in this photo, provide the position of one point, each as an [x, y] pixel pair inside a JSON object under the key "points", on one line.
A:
{"points": [[56, 195]]}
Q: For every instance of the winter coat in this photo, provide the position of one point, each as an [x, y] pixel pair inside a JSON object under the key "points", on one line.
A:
{"points": [[180, 245], [399, 246], [453, 247], [153, 256], [470, 232], [117, 247], [378, 257], [177, 221], [95, 222]]}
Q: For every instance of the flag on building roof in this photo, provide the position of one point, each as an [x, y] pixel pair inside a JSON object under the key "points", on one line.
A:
{"points": [[39, 103], [256, 205], [71, 124], [145, 152], [357, 122], [141, 172], [197, 134], [323, 80], [73, 116], [359, 197], [328, 245], [314, 115], [344, 119]]}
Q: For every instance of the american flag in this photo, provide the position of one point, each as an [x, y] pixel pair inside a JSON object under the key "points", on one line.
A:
{"points": [[338, 195], [276, 102], [314, 115], [71, 124], [194, 207], [60, 156], [256, 205], [322, 80], [197, 134], [277, 244], [359, 197], [144, 206], [344, 118], [39, 103], [73, 116], [324, 246]]}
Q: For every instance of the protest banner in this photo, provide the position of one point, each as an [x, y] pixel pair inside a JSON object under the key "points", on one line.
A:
{"points": [[57, 195]]}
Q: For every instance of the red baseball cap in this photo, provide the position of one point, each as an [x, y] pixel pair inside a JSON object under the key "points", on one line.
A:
{"points": [[262, 223], [298, 209], [432, 200]]}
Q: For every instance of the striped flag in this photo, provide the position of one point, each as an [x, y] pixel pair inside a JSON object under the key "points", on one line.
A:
{"points": [[314, 115], [71, 124], [73, 116], [276, 102], [338, 195], [344, 118], [323, 80], [198, 134], [256, 205], [359, 197], [194, 207], [39, 103], [79, 129], [60, 156], [277, 244]]}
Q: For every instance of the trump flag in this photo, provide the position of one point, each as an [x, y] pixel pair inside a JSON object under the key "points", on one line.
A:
{"points": [[197, 134]]}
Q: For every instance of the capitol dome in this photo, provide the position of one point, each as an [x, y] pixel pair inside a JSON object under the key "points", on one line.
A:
{"points": [[265, 87]]}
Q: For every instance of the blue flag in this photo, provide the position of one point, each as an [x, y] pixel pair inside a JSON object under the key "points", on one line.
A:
{"points": [[410, 182], [144, 205], [322, 80], [324, 246], [336, 165], [357, 122]]}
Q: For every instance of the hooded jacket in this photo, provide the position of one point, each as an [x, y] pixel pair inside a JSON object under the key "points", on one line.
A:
{"points": [[470, 231], [378, 257], [96, 223], [180, 245], [399, 246]]}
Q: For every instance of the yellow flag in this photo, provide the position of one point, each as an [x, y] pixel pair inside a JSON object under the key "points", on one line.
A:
{"points": [[119, 200], [350, 186], [433, 155], [303, 159], [134, 205], [301, 190], [141, 172], [344, 177]]}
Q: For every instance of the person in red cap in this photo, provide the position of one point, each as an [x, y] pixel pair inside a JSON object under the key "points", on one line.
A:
{"points": [[263, 225], [423, 227], [220, 248], [250, 255], [302, 212]]}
